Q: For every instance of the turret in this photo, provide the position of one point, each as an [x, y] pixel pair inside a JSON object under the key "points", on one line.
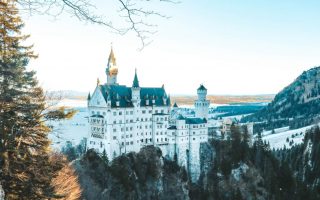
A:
{"points": [[135, 90], [202, 93], [112, 69], [202, 104]]}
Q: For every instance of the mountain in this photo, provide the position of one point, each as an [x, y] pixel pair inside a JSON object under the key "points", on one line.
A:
{"points": [[299, 102]]}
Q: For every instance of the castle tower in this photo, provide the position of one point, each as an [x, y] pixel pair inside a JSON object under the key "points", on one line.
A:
{"points": [[202, 104], [112, 69], [135, 91]]}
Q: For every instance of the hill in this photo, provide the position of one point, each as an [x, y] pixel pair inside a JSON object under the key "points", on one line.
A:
{"points": [[296, 105]]}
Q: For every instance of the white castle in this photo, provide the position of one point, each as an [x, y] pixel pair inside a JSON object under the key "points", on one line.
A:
{"points": [[124, 119]]}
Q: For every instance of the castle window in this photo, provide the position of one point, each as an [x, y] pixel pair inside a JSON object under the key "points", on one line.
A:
{"points": [[146, 140], [131, 142], [165, 139], [114, 137], [114, 113], [157, 140], [141, 140], [92, 112], [127, 143], [131, 120], [162, 111], [131, 112], [143, 112], [165, 119], [194, 138], [104, 113], [114, 130], [142, 119], [150, 111], [150, 140], [130, 135], [114, 122], [131, 128], [127, 136], [146, 119], [137, 141], [156, 111], [127, 129], [120, 113], [161, 139], [120, 121], [146, 126]]}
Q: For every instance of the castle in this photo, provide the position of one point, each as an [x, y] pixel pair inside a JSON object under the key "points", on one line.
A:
{"points": [[124, 119]]}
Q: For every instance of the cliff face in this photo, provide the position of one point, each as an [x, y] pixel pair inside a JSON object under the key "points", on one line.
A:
{"points": [[229, 170], [143, 175], [243, 181]]}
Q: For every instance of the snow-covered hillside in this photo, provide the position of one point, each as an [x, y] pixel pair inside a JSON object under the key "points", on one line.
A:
{"points": [[283, 136]]}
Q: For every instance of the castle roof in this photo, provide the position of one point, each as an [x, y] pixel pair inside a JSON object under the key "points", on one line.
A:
{"points": [[175, 105], [112, 58], [135, 80], [196, 121], [202, 87], [123, 94]]}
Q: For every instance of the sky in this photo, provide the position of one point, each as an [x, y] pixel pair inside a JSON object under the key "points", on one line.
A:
{"points": [[233, 47]]}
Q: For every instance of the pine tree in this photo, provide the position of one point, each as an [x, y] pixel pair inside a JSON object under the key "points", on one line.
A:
{"points": [[25, 170], [104, 157]]}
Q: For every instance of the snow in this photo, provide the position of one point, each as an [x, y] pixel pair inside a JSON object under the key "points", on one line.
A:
{"points": [[279, 140], [72, 130]]}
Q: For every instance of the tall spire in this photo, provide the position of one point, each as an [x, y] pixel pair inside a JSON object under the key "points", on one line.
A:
{"points": [[112, 69], [135, 80], [112, 58]]}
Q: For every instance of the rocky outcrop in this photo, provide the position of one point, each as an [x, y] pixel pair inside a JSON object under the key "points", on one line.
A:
{"points": [[143, 175]]}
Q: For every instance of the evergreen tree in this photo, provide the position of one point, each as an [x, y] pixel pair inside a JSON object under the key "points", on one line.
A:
{"points": [[24, 147], [104, 157]]}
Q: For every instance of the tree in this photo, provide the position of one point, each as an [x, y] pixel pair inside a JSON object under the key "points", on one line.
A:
{"points": [[24, 147], [104, 157], [65, 182], [135, 15]]}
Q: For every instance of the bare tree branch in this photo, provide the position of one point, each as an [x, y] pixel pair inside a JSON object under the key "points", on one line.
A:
{"points": [[135, 14]]}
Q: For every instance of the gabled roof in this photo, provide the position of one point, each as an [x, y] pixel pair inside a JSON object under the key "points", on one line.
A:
{"points": [[123, 94]]}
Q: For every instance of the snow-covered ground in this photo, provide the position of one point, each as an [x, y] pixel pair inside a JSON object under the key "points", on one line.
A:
{"points": [[74, 129], [279, 138]]}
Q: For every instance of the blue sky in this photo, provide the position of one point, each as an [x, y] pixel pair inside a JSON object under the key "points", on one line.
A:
{"points": [[233, 47]]}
